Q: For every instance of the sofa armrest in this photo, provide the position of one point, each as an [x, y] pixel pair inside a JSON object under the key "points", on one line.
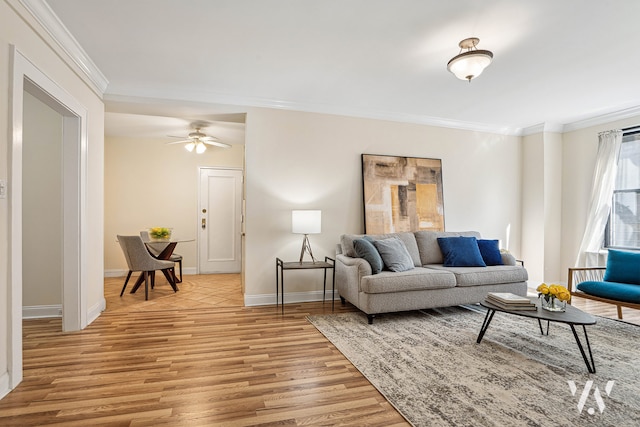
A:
{"points": [[349, 272], [582, 274]]}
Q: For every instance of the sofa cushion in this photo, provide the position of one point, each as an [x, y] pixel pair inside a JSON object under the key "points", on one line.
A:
{"points": [[490, 251], [616, 291], [394, 254], [416, 279], [493, 275], [623, 267], [460, 252], [409, 240], [428, 247], [365, 249]]}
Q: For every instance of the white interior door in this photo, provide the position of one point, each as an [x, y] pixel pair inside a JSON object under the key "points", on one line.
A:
{"points": [[220, 221]]}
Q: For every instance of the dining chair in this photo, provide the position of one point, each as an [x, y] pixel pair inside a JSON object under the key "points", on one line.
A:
{"points": [[156, 249], [139, 259]]}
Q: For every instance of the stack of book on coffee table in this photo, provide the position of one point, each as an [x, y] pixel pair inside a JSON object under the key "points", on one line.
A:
{"points": [[510, 301]]}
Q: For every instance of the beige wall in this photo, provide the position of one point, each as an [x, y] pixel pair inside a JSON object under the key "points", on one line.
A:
{"points": [[41, 204], [533, 205], [307, 160], [541, 206], [149, 184], [41, 51]]}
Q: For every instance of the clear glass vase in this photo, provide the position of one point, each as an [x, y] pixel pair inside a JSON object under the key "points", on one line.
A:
{"points": [[553, 304]]}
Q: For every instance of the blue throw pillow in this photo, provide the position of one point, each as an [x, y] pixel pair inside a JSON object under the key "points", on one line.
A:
{"points": [[623, 267], [490, 251], [365, 249], [460, 252], [394, 254]]}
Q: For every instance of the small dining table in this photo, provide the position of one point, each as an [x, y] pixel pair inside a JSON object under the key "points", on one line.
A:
{"points": [[161, 254]]}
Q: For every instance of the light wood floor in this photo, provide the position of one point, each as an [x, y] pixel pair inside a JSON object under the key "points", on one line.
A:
{"points": [[164, 362], [197, 357]]}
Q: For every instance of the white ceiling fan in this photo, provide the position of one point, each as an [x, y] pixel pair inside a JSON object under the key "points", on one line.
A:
{"points": [[198, 140]]}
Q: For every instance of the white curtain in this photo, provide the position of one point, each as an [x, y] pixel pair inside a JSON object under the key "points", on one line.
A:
{"points": [[604, 178]]}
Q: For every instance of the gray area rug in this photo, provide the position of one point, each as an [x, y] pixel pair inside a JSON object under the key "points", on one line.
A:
{"points": [[429, 367]]}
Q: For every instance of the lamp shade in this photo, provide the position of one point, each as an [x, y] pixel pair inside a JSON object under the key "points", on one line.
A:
{"points": [[306, 221], [470, 64]]}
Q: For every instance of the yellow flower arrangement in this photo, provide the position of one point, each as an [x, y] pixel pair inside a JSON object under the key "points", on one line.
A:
{"points": [[549, 292], [554, 297], [160, 232]]}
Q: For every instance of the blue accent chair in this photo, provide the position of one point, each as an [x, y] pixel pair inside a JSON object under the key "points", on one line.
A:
{"points": [[618, 283]]}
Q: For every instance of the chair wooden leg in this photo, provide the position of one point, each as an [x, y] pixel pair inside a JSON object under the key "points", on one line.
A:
{"points": [[153, 279], [125, 282], [619, 312], [171, 277], [179, 266], [146, 285]]}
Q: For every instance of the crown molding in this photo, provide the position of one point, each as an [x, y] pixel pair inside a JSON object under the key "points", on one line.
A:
{"points": [[43, 13], [177, 95], [603, 119], [543, 127], [584, 123]]}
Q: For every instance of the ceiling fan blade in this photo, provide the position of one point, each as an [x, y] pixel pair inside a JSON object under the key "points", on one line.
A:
{"points": [[217, 143], [179, 142], [181, 137]]}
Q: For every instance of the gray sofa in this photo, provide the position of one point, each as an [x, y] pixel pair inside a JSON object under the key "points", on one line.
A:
{"points": [[428, 284]]}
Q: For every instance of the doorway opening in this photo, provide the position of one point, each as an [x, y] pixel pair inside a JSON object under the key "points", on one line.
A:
{"points": [[27, 78]]}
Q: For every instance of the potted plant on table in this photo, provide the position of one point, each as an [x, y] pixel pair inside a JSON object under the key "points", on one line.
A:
{"points": [[160, 233]]}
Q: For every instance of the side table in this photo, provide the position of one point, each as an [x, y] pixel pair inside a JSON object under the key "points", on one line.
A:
{"points": [[281, 266]]}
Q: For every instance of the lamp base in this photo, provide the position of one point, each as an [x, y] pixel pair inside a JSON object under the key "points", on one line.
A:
{"points": [[306, 247]]}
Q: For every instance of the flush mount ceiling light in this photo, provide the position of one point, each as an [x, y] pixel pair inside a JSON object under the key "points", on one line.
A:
{"points": [[470, 64]]}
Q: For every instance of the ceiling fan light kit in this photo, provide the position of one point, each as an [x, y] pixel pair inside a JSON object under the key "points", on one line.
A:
{"points": [[198, 140], [200, 147], [470, 64]]}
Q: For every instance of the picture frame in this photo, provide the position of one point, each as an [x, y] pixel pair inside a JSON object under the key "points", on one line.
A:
{"points": [[402, 194]]}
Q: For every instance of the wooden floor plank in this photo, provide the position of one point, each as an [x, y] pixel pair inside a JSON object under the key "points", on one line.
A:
{"points": [[162, 362]]}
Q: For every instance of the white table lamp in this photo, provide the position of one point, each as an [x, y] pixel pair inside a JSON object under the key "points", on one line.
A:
{"points": [[306, 222]]}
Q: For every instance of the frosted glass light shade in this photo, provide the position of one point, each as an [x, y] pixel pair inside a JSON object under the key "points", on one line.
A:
{"points": [[306, 221], [200, 148], [469, 65]]}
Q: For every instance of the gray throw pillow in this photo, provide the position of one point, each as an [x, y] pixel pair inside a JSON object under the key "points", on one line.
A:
{"points": [[394, 254], [365, 249]]}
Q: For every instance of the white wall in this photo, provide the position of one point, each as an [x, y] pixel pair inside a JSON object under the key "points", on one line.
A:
{"points": [[307, 160], [552, 207], [533, 206], [41, 204], [541, 206], [151, 184], [19, 29]]}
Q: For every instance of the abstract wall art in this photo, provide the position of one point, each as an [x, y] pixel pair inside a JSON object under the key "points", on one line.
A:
{"points": [[402, 194]]}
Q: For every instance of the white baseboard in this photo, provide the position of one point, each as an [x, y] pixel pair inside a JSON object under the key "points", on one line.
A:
{"points": [[47, 311], [115, 273], [4, 384], [289, 297], [41, 311], [95, 311]]}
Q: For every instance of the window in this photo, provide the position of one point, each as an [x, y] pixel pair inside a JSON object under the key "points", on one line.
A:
{"points": [[623, 228]]}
